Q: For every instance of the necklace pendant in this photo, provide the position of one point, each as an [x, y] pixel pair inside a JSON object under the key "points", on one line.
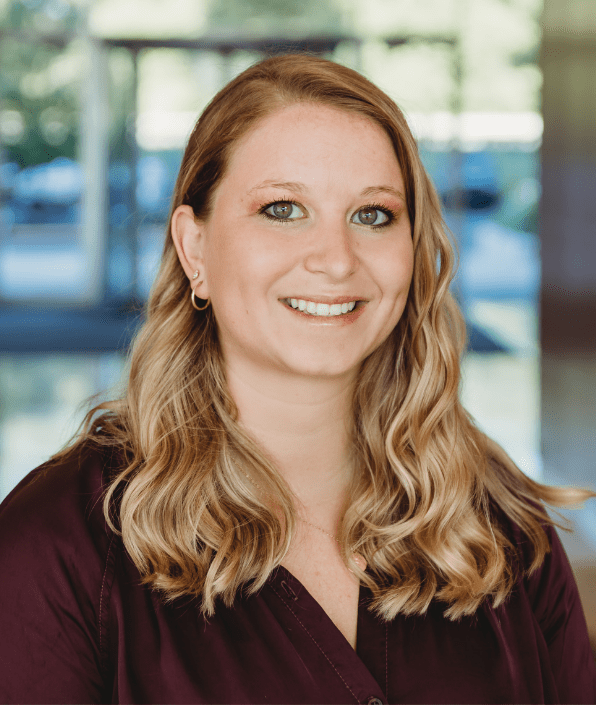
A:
{"points": [[359, 560]]}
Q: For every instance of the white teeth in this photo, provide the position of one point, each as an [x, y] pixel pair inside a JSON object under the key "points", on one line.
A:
{"points": [[321, 309]]}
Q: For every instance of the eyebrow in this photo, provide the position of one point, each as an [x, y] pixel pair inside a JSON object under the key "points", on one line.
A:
{"points": [[373, 190], [289, 185], [301, 188]]}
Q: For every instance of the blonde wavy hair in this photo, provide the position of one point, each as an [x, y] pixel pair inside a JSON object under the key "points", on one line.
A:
{"points": [[430, 486]]}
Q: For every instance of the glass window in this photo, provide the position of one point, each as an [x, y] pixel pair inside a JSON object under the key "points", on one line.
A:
{"points": [[95, 116]]}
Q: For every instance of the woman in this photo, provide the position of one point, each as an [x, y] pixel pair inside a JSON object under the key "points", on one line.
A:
{"points": [[290, 505]]}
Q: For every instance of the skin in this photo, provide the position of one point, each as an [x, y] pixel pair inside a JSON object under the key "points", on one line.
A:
{"points": [[290, 374]]}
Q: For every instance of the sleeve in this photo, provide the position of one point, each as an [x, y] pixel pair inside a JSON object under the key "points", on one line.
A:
{"points": [[558, 610], [53, 558]]}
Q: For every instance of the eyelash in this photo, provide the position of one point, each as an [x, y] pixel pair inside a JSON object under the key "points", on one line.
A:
{"points": [[390, 213]]}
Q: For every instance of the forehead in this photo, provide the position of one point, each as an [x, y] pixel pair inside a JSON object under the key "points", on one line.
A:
{"points": [[305, 141]]}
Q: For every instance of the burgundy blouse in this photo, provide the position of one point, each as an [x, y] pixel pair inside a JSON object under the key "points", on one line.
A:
{"points": [[76, 626]]}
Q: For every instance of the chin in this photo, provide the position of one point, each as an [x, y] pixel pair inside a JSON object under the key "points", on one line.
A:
{"points": [[313, 368]]}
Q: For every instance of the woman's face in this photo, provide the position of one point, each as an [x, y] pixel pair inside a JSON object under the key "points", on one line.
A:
{"points": [[307, 255]]}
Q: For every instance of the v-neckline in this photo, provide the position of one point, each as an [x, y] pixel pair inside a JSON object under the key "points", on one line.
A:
{"points": [[354, 666]]}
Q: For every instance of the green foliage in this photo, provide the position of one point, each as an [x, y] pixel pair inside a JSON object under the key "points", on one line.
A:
{"points": [[48, 108], [35, 92]]}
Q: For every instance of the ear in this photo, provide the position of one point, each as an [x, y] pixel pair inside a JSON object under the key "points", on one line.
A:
{"points": [[187, 234]]}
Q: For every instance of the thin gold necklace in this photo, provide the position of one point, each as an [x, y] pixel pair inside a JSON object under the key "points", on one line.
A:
{"points": [[358, 558]]}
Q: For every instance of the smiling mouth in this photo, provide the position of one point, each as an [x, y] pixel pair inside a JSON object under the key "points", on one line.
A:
{"points": [[313, 308]]}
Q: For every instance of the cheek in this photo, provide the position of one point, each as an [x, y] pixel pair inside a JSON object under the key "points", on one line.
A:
{"points": [[221, 261], [395, 271], [408, 266], [242, 264], [397, 281]]}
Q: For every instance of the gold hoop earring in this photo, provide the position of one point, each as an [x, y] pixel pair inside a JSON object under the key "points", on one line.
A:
{"points": [[193, 301]]}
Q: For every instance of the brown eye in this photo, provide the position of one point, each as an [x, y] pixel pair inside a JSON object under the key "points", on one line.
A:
{"points": [[371, 216], [283, 210]]}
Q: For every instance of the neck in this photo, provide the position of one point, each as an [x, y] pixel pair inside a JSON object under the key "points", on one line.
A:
{"points": [[303, 426]]}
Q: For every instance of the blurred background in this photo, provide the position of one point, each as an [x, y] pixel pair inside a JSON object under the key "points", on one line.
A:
{"points": [[97, 99]]}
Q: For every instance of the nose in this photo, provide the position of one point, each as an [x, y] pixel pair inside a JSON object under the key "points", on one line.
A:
{"points": [[331, 251]]}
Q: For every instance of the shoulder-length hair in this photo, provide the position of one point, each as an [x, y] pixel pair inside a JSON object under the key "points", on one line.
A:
{"points": [[202, 509]]}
